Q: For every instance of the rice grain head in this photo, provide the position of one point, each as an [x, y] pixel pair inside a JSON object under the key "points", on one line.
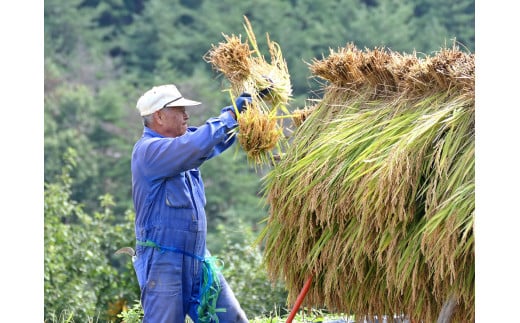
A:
{"points": [[258, 133], [231, 58]]}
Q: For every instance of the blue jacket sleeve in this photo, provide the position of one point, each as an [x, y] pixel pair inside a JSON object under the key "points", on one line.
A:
{"points": [[163, 157]]}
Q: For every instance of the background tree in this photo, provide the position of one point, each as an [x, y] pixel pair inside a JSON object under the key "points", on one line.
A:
{"points": [[440, 22], [82, 275]]}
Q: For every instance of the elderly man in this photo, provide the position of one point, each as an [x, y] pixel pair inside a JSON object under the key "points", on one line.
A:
{"points": [[175, 272]]}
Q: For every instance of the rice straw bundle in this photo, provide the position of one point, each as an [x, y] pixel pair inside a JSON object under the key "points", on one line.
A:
{"points": [[258, 134], [231, 58], [300, 115], [383, 72], [341, 68], [247, 71], [375, 195]]}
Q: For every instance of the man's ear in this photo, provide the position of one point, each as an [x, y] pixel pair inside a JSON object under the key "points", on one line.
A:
{"points": [[158, 117]]}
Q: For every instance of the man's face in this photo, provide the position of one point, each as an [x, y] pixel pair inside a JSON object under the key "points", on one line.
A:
{"points": [[174, 121]]}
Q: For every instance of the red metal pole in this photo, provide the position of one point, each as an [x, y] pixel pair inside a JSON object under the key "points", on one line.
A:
{"points": [[299, 300]]}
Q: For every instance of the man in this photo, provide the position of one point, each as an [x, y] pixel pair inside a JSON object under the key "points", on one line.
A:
{"points": [[174, 270]]}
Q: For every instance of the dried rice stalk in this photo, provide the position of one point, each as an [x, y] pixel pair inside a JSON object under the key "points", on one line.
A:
{"points": [[376, 190], [299, 115], [258, 133], [231, 58], [247, 70], [385, 73]]}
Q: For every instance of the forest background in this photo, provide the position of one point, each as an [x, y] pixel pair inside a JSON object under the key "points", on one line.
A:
{"points": [[99, 56]]}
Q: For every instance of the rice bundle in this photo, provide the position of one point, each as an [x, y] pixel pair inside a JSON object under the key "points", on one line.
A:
{"points": [[374, 197], [386, 73], [258, 132], [260, 127], [300, 115], [231, 59]]}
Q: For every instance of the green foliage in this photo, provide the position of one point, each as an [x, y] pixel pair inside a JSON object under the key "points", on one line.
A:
{"points": [[69, 124], [114, 141], [439, 22], [132, 315], [305, 29], [370, 25], [82, 275], [245, 272], [157, 40], [95, 125], [65, 26]]}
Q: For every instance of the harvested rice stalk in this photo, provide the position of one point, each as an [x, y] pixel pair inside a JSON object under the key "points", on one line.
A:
{"points": [[231, 58], [258, 133], [299, 115], [268, 83], [383, 72], [377, 187], [248, 71], [341, 68]]}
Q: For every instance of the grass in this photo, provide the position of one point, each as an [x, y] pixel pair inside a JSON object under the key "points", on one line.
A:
{"points": [[134, 315]]}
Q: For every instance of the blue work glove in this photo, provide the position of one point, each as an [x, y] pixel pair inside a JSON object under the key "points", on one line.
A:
{"points": [[242, 101], [267, 91]]}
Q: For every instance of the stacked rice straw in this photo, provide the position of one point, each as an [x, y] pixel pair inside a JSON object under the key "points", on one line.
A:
{"points": [[374, 197], [260, 129]]}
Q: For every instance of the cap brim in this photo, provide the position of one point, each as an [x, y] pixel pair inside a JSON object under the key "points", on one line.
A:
{"points": [[183, 103]]}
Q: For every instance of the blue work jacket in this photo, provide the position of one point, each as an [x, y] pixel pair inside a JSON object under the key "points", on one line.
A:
{"points": [[167, 188]]}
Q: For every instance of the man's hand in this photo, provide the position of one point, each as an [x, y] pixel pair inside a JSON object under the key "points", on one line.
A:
{"points": [[242, 101], [239, 105], [267, 91]]}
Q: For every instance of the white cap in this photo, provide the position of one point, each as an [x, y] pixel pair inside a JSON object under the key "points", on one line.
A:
{"points": [[162, 96]]}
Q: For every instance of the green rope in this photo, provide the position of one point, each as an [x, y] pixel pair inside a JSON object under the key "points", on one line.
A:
{"points": [[211, 288]]}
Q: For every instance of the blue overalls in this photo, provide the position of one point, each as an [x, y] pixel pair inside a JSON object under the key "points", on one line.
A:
{"points": [[170, 223]]}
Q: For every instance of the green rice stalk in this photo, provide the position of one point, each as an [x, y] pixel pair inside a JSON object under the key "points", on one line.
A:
{"points": [[376, 188]]}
